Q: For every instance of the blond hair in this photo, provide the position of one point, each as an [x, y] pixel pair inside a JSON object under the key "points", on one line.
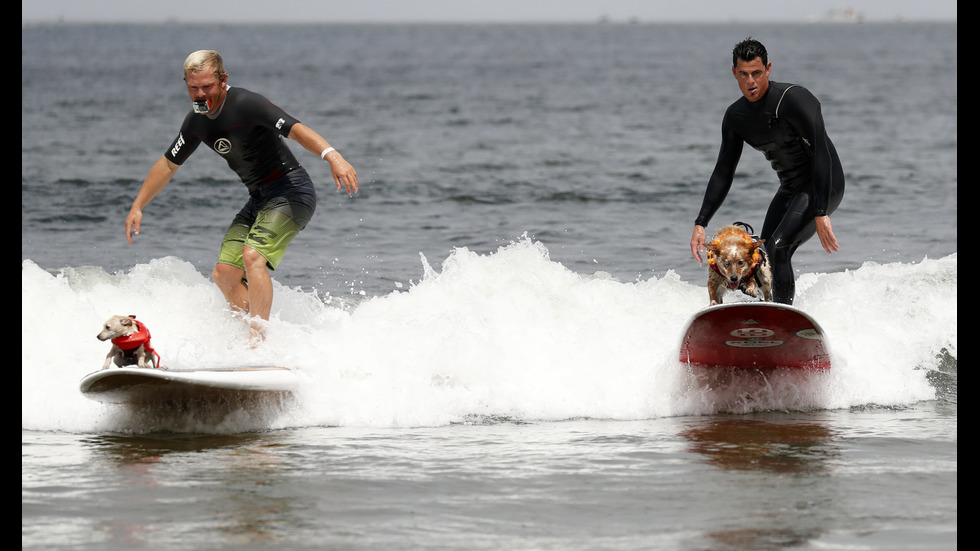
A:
{"points": [[202, 59]]}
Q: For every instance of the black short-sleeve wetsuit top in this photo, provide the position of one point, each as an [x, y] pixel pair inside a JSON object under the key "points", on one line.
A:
{"points": [[787, 126], [247, 132]]}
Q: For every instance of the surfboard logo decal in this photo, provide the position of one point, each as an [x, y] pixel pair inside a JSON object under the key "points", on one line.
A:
{"points": [[753, 343], [752, 333], [753, 337]]}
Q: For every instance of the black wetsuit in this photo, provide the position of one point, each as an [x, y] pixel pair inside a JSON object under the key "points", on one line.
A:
{"points": [[811, 180], [247, 132]]}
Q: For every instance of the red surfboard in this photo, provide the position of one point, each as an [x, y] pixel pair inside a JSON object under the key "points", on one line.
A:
{"points": [[759, 335]]}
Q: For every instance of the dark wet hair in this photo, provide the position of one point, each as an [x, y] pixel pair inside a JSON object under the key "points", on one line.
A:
{"points": [[749, 49]]}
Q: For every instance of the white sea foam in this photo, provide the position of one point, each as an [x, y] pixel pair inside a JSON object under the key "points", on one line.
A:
{"points": [[507, 335]]}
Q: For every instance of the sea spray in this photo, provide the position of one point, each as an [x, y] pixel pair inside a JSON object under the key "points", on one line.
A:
{"points": [[506, 336]]}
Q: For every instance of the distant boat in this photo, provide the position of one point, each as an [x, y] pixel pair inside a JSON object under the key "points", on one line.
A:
{"points": [[845, 15]]}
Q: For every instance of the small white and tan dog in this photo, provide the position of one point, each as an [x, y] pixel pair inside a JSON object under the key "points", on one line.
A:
{"points": [[130, 343], [737, 261]]}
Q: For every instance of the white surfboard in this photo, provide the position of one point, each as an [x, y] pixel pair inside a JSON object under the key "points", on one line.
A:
{"points": [[142, 385]]}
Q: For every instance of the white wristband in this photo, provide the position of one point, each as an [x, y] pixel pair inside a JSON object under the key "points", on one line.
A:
{"points": [[323, 154]]}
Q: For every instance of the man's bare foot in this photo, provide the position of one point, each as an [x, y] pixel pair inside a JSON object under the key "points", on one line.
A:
{"points": [[256, 332]]}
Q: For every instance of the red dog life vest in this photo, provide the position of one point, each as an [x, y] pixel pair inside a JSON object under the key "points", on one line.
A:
{"points": [[133, 341]]}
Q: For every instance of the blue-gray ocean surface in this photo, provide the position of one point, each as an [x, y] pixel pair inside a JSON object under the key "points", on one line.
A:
{"points": [[489, 328]]}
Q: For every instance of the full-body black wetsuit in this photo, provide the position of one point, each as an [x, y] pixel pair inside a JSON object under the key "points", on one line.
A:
{"points": [[786, 125]]}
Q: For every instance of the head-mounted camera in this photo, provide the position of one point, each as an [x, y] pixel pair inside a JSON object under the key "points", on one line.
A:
{"points": [[202, 107]]}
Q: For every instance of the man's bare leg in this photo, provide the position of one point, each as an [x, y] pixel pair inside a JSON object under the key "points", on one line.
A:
{"points": [[229, 280], [253, 298], [259, 292]]}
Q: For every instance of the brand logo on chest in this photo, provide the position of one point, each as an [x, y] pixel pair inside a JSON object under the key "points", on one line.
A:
{"points": [[222, 146]]}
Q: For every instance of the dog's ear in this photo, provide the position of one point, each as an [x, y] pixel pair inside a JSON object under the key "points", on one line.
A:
{"points": [[711, 246], [126, 321]]}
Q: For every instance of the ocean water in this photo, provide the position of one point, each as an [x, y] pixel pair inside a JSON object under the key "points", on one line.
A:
{"points": [[489, 328]]}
